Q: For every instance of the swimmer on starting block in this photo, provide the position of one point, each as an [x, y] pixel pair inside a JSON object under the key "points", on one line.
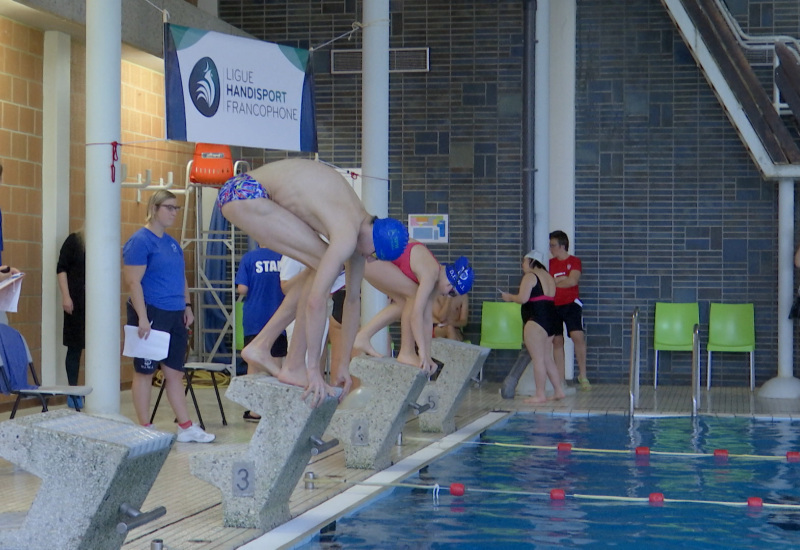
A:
{"points": [[286, 206], [413, 281]]}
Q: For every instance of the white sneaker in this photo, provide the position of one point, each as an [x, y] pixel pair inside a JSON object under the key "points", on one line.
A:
{"points": [[194, 433]]}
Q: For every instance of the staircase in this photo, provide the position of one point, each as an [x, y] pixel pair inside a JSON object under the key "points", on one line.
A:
{"points": [[719, 46]]}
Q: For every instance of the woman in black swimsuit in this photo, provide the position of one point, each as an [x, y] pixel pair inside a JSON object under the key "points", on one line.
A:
{"points": [[536, 291]]}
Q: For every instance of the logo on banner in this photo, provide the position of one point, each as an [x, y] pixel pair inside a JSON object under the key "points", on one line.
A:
{"points": [[204, 87]]}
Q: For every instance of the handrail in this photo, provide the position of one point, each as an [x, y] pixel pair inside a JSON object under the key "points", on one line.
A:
{"points": [[635, 360], [695, 370], [764, 44]]}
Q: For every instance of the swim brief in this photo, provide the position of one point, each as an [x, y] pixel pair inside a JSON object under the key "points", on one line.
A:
{"points": [[241, 187]]}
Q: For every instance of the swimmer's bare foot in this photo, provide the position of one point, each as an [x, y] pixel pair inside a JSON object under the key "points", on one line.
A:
{"points": [[410, 359], [293, 376], [557, 397], [535, 400], [254, 356], [363, 345]]}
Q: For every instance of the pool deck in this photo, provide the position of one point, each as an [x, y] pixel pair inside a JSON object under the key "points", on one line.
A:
{"points": [[194, 512]]}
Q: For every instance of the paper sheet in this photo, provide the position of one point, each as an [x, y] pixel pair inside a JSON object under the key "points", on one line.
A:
{"points": [[9, 292], [155, 347]]}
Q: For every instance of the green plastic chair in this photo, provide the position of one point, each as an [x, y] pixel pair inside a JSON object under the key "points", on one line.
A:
{"points": [[731, 327], [501, 325], [674, 325]]}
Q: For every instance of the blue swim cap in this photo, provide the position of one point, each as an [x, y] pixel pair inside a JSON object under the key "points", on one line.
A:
{"points": [[460, 275], [390, 238]]}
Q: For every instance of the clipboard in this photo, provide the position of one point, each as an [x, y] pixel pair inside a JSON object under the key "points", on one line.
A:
{"points": [[155, 347], [9, 292]]}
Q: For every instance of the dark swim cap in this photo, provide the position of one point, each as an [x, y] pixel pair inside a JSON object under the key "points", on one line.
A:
{"points": [[460, 275], [390, 238]]}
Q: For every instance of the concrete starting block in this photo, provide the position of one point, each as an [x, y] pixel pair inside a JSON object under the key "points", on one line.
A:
{"points": [[257, 479], [95, 476], [368, 429], [461, 364]]}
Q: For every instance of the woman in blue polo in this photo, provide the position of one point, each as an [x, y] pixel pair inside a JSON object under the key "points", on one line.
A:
{"points": [[154, 271]]}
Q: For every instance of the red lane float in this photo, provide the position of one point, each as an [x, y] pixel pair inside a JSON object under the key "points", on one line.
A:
{"points": [[457, 489]]}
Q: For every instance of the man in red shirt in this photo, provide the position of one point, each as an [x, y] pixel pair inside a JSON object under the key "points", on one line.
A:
{"points": [[566, 270]]}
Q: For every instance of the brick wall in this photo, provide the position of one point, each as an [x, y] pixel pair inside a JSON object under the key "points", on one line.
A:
{"points": [[21, 51], [669, 205], [455, 132]]}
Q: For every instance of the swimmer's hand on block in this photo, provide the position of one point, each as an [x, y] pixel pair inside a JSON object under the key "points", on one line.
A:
{"points": [[335, 394]]}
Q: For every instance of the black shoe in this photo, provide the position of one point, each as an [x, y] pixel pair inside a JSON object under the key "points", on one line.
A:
{"points": [[251, 417]]}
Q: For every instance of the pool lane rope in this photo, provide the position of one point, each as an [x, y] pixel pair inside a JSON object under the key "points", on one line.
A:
{"points": [[790, 456], [655, 499]]}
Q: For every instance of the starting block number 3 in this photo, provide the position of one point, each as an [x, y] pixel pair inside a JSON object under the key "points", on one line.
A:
{"points": [[243, 482]]}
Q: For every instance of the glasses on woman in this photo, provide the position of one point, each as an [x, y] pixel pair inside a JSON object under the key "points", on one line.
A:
{"points": [[171, 207]]}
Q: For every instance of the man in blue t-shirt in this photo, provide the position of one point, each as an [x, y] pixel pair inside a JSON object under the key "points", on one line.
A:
{"points": [[259, 281]]}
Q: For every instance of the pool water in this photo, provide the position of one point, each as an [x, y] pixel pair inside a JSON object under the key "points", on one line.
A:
{"points": [[513, 518]]}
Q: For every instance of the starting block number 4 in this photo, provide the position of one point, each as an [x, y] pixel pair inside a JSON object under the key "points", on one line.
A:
{"points": [[243, 482]]}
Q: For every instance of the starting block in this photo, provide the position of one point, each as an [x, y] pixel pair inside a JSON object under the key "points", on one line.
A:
{"points": [[369, 420], [461, 364], [95, 473], [257, 479]]}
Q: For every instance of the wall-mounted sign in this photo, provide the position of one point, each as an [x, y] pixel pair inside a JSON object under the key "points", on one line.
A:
{"points": [[428, 228]]}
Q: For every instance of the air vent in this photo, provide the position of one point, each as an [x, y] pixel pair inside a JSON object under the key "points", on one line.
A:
{"points": [[401, 60]]}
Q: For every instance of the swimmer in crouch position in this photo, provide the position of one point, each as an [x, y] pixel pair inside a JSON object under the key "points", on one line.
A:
{"points": [[413, 281], [286, 206], [536, 292]]}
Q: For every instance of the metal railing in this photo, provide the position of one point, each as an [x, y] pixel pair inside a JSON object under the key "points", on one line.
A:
{"points": [[763, 45], [695, 370], [635, 360]]}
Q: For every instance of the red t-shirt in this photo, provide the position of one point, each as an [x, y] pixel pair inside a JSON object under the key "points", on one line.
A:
{"points": [[562, 268]]}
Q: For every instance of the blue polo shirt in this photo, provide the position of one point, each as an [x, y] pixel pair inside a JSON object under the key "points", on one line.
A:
{"points": [[164, 278], [260, 272]]}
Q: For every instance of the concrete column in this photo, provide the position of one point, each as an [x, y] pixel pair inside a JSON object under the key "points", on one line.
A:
{"points": [[375, 137], [55, 186], [541, 148], [785, 385], [103, 126], [561, 152], [562, 118]]}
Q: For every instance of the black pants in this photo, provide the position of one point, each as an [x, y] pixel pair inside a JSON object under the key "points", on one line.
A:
{"points": [[73, 364]]}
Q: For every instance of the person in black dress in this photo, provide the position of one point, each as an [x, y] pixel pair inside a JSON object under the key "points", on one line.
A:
{"points": [[71, 271]]}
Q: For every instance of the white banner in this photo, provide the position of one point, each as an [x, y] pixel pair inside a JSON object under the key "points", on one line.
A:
{"points": [[237, 91]]}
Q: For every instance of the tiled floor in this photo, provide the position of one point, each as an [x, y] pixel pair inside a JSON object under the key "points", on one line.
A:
{"points": [[194, 513]]}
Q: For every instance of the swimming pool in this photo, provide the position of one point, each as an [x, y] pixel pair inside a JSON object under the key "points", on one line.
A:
{"points": [[607, 488]]}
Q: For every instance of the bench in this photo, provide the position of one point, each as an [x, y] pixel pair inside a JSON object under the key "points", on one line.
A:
{"points": [[462, 362], [256, 479], [95, 474], [369, 420]]}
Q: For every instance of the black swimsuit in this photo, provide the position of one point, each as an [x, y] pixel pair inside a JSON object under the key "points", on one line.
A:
{"points": [[540, 309]]}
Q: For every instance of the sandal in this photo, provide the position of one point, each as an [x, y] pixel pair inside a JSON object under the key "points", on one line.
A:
{"points": [[584, 383], [251, 417]]}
